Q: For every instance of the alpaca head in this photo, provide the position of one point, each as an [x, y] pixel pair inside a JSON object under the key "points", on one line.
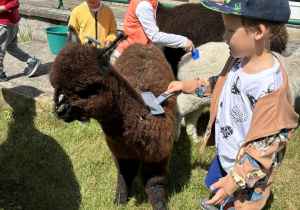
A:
{"points": [[79, 76]]}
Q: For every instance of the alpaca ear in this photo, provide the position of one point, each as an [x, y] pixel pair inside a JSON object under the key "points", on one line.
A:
{"points": [[72, 35], [107, 51]]}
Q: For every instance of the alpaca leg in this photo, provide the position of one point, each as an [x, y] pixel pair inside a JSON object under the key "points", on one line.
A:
{"points": [[153, 176], [191, 124], [127, 170]]}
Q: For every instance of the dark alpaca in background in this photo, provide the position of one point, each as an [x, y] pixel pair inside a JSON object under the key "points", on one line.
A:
{"points": [[200, 25], [194, 21], [87, 86]]}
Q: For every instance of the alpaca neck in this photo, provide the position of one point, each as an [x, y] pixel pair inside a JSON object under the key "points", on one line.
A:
{"points": [[126, 103]]}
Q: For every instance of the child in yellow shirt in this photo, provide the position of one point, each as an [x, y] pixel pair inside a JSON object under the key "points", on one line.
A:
{"points": [[94, 19]]}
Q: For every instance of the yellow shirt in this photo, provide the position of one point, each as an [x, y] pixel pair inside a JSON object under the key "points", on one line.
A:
{"points": [[83, 20]]}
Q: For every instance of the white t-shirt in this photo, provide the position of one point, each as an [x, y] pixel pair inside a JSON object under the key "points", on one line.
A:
{"points": [[144, 12], [237, 101], [95, 10]]}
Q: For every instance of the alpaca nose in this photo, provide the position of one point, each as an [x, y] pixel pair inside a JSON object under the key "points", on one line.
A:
{"points": [[61, 108]]}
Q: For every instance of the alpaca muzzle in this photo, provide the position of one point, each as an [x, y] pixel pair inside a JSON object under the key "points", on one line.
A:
{"points": [[62, 103], [63, 109]]}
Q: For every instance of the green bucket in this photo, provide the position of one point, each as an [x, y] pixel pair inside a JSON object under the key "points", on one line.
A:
{"points": [[57, 38]]}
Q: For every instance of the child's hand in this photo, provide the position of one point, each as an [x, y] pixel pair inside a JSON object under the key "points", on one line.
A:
{"points": [[220, 197], [174, 87], [189, 46], [107, 42]]}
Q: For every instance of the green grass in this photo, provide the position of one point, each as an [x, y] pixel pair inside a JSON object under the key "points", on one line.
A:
{"points": [[48, 164]]}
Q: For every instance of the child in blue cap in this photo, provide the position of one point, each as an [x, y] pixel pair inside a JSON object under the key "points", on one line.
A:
{"points": [[251, 117]]}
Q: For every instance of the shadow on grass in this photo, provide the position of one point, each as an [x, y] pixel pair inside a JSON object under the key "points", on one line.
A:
{"points": [[44, 69], [202, 122], [180, 166], [35, 172], [269, 201], [201, 128]]}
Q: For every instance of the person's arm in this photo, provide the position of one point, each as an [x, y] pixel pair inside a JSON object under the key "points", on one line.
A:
{"points": [[198, 87], [144, 12], [112, 34], [3, 9], [11, 5], [253, 163]]}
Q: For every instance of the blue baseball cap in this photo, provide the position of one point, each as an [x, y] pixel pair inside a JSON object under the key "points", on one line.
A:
{"points": [[269, 10]]}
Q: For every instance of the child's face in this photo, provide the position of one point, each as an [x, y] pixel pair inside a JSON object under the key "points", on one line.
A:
{"points": [[241, 41], [94, 4]]}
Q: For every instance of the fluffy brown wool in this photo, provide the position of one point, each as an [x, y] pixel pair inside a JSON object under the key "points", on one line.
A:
{"points": [[200, 25], [87, 86]]}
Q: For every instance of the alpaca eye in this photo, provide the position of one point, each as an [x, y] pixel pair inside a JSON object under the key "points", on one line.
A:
{"points": [[88, 91], [83, 93]]}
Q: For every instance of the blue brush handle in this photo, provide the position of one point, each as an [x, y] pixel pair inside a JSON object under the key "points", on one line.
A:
{"points": [[160, 99], [92, 40], [195, 54]]}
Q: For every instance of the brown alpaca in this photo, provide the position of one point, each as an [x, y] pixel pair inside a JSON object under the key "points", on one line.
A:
{"points": [[201, 25], [87, 86]]}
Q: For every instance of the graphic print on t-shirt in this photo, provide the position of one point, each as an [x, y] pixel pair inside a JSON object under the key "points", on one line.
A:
{"points": [[236, 87], [270, 89], [227, 131], [240, 143], [237, 64], [278, 70], [252, 101], [237, 101], [238, 114]]}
